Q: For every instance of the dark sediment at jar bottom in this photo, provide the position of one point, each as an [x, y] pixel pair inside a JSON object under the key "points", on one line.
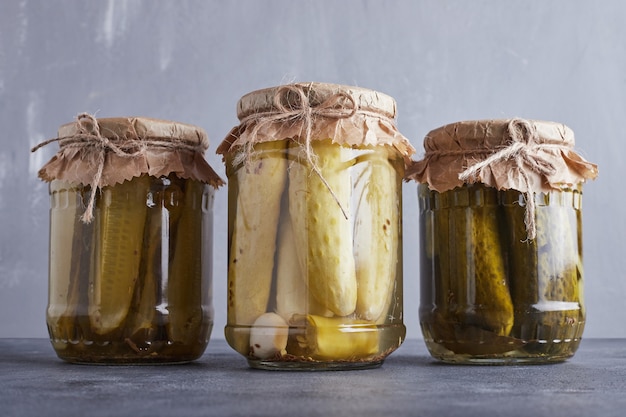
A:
{"points": [[129, 351], [476, 346]]}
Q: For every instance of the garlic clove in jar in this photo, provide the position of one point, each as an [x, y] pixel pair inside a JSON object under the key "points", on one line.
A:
{"points": [[268, 336]]}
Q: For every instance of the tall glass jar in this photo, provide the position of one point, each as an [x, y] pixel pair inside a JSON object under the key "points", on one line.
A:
{"points": [[315, 247], [501, 242], [131, 262]]}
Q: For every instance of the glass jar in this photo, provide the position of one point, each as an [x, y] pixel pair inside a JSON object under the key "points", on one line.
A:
{"points": [[501, 276], [315, 246], [131, 264]]}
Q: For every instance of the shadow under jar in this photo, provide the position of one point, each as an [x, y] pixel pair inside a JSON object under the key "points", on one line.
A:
{"points": [[501, 276], [130, 266], [315, 266]]}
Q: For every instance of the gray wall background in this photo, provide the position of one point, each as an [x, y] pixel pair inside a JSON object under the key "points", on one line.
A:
{"points": [[190, 61]]}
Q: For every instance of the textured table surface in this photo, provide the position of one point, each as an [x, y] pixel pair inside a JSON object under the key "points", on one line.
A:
{"points": [[34, 382]]}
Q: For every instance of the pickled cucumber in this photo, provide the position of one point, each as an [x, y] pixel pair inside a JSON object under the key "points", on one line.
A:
{"points": [[545, 276], [291, 292], [494, 308], [142, 324], [470, 284], [323, 234], [376, 237], [184, 289], [144, 321], [292, 295], [523, 264], [257, 188], [333, 338], [120, 223]]}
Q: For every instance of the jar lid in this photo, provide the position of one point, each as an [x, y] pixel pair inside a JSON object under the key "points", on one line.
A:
{"points": [[108, 151], [264, 100], [139, 128], [518, 154], [303, 112]]}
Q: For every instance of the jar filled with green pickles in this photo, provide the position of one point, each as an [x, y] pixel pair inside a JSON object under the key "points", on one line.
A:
{"points": [[500, 219], [314, 227], [130, 241]]}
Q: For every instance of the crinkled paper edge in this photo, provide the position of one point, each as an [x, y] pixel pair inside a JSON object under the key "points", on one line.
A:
{"points": [[79, 166], [357, 130], [441, 172]]}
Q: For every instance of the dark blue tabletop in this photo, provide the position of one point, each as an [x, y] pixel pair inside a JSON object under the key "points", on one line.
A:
{"points": [[34, 382]]}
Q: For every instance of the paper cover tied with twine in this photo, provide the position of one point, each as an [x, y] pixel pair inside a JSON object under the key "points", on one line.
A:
{"points": [[107, 151], [102, 152], [303, 112], [517, 154]]}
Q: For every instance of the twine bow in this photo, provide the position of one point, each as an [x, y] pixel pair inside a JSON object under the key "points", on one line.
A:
{"points": [[340, 105], [91, 137], [524, 150]]}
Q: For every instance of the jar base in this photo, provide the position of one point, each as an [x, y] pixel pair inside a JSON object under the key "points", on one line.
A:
{"points": [[313, 365], [334, 348], [551, 352], [117, 353], [120, 361]]}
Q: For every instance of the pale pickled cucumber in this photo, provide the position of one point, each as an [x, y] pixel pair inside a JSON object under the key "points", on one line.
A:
{"points": [[255, 190], [120, 224], [376, 236], [292, 295], [291, 291], [323, 234]]}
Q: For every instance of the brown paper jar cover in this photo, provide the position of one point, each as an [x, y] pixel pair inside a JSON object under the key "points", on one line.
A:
{"points": [[518, 154], [128, 147], [348, 115]]}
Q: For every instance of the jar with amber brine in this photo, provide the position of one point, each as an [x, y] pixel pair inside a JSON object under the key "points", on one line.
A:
{"points": [[501, 242], [315, 248], [130, 241]]}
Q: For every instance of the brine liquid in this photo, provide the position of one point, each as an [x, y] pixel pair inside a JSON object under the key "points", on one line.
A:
{"points": [[488, 293], [321, 249], [134, 285]]}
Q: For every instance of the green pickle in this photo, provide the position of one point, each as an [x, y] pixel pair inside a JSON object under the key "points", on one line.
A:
{"points": [[489, 294], [128, 287], [187, 324]]}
